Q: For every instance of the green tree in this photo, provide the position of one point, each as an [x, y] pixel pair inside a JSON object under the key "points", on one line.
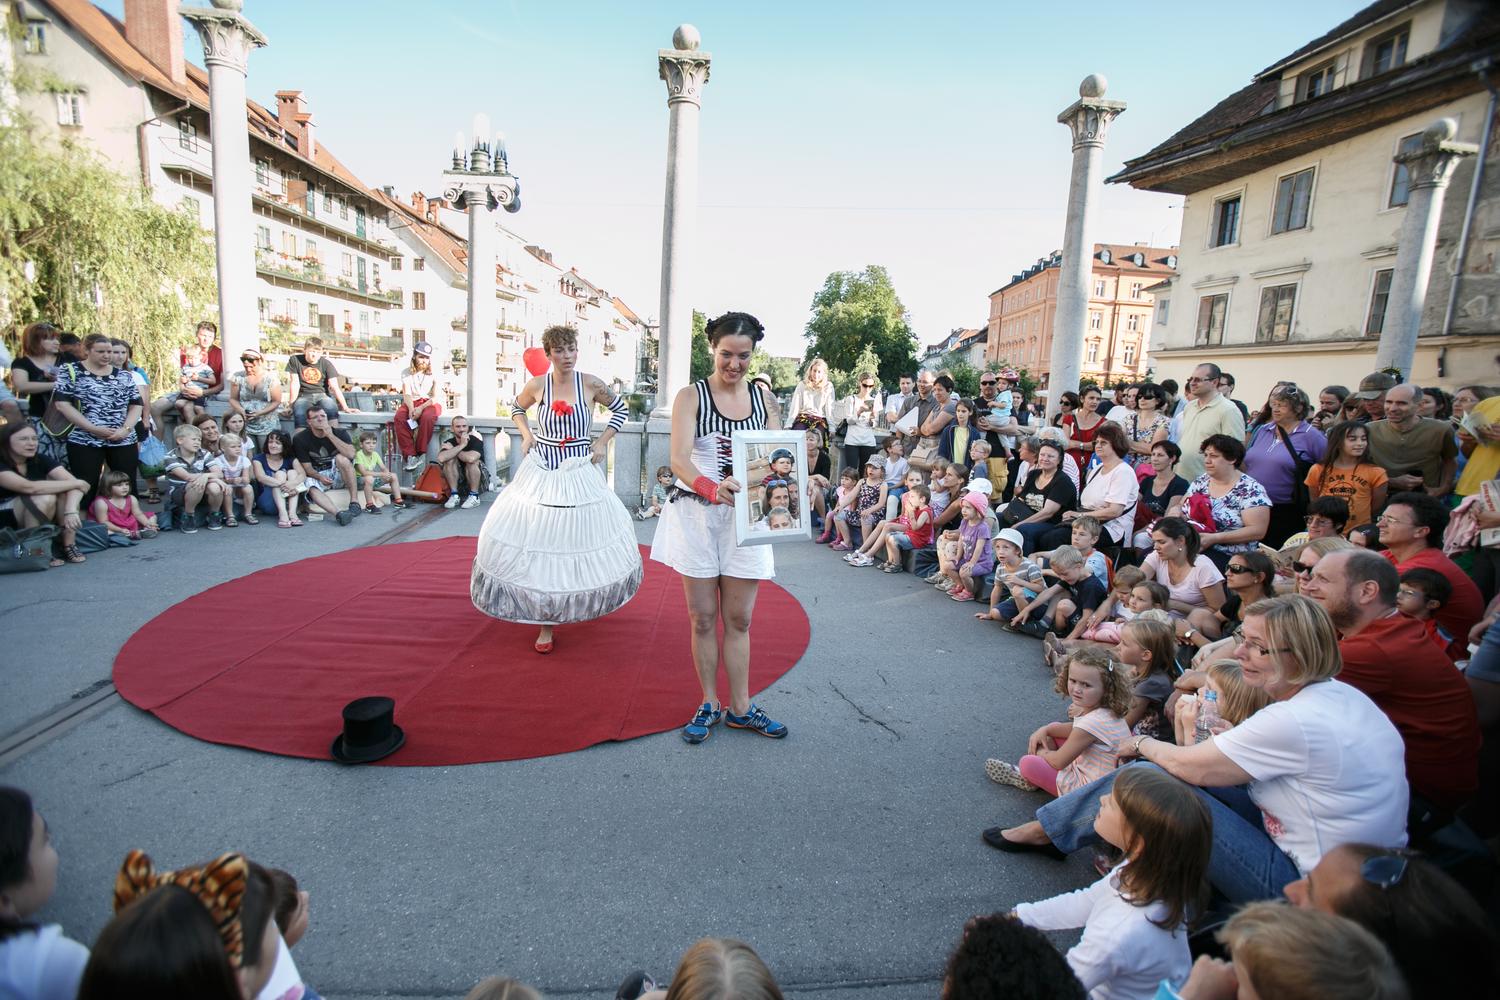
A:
{"points": [[855, 312], [87, 249], [701, 365]]}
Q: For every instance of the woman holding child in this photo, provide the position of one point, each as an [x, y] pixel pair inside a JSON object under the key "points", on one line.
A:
{"points": [[1321, 765], [557, 546], [696, 536]]}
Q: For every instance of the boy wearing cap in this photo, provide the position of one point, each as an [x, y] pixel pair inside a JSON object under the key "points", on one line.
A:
{"points": [[1016, 577], [419, 410]]}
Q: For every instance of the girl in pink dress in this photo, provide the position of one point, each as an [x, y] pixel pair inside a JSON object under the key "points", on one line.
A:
{"points": [[119, 511]]}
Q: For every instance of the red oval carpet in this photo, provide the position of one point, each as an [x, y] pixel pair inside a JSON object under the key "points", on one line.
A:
{"points": [[277, 654]]}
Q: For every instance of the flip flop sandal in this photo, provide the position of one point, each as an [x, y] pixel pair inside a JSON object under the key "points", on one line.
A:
{"points": [[251, 519], [283, 524]]}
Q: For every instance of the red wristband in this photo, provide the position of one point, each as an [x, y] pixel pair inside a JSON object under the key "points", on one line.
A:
{"points": [[706, 488]]}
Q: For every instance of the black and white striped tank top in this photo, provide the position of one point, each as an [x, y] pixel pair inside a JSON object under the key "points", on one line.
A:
{"points": [[711, 448], [562, 436]]}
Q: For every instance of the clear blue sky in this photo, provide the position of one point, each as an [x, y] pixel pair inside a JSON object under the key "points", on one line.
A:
{"points": [[834, 134]]}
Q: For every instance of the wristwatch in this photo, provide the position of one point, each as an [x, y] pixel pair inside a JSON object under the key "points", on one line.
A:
{"points": [[1188, 635], [1137, 745]]}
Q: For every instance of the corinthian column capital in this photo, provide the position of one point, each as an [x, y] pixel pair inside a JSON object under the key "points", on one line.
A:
{"points": [[228, 38], [1090, 115], [684, 67], [1432, 165]]}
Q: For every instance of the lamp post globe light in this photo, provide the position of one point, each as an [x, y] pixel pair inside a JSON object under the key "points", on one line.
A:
{"points": [[479, 181]]}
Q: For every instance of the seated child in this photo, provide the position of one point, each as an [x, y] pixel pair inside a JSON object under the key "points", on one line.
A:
{"points": [[1422, 594], [978, 556], [1135, 918], [1062, 756], [875, 539], [1086, 532], [896, 468], [1237, 700], [289, 908], [119, 511], [843, 511], [1102, 625], [372, 472], [238, 481], [190, 481], [979, 458], [1326, 516], [987, 490], [869, 505], [950, 549], [1015, 576], [913, 528], [1149, 649], [657, 502], [1060, 607]]}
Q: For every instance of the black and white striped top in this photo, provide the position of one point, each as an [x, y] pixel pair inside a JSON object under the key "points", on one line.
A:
{"points": [[712, 453], [563, 436]]}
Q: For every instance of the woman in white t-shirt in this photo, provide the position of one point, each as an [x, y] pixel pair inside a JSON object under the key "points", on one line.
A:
{"points": [[1109, 495], [1318, 767], [37, 962], [1192, 579]]}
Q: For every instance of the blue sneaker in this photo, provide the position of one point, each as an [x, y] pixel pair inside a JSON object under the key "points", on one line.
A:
{"points": [[706, 716], [757, 721]]}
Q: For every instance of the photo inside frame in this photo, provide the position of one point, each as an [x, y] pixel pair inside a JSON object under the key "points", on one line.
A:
{"points": [[773, 505]]}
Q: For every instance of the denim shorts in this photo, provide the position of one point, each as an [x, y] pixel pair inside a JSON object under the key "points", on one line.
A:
{"points": [[902, 540], [1484, 665]]}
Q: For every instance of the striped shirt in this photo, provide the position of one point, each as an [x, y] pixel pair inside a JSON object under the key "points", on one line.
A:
{"points": [[562, 436], [712, 453]]}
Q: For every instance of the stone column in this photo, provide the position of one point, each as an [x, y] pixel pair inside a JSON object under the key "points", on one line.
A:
{"points": [[685, 69], [1089, 119], [228, 40], [1429, 169]]}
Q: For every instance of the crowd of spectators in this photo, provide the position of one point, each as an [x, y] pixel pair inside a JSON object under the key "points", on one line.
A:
{"points": [[1276, 636], [211, 452]]}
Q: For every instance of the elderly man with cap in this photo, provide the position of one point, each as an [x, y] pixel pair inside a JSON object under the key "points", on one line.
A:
{"points": [[419, 410], [1416, 452], [1371, 395]]}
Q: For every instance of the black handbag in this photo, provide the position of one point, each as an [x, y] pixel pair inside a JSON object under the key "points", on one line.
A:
{"points": [[1015, 512], [1301, 497]]}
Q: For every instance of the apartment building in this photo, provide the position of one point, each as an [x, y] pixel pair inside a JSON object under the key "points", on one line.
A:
{"points": [[1293, 206]]}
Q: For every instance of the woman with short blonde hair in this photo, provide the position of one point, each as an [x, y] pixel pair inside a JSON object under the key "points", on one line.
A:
{"points": [[1294, 954], [1321, 765]]}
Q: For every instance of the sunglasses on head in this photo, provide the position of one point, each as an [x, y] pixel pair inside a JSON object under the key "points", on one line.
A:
{"points": [[1384, 870]]}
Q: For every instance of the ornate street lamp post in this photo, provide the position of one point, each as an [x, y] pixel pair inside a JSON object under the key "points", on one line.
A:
{"points": [[479, 182]]}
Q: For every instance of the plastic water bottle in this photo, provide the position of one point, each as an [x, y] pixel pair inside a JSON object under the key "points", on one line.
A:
{"points": [[1208, 716]]}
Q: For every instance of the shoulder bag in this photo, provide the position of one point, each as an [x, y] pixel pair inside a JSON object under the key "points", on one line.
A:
{"points": [[1300, 495], [53, 421]]}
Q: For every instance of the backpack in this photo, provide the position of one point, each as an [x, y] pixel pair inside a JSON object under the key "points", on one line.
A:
{"points": [[430, 485]]}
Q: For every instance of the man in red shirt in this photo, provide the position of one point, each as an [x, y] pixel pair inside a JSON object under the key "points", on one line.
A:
{"points": [[1411, 529], [1389, 657]]}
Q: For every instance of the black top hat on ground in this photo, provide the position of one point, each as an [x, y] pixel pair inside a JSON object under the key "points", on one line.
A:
{"points": [[370, 731]]}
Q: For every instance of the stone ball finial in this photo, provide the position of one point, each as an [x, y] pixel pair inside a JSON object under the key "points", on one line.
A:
{"points": [[234, 6], [686, 38], [1093, 85], [1442, 130]]}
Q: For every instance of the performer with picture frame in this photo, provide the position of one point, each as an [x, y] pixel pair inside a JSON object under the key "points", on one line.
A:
{"points": [[696, 534]]}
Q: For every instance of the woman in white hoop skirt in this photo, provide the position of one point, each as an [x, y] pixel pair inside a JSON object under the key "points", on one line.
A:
{"points": [[558, 546]]}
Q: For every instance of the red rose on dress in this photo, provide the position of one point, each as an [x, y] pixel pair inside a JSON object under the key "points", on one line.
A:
{"points": [[561, 408]]}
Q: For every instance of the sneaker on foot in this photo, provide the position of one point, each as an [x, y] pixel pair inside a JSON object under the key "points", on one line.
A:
{"points": [[371, 509], [189, 526], [707, 716], [452, 502], [934, 578], [215, 521], [415, 462], [1005, 773], [755, 720], [343, 517], [355, 509], [470, 501], [400, 504]]}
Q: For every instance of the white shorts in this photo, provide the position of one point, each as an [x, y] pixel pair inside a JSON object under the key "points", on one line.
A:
{"points": [[697, 540]]}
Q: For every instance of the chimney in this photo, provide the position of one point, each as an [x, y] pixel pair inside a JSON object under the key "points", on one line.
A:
{"points": [[153, 27], [292, 115], [419, 203]]}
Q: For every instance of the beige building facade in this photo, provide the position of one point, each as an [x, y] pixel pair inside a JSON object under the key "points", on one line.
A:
{"points": [[1293, 208], [1121, 306]]}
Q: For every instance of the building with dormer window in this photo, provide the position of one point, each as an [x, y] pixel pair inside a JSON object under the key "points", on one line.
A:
{"points": [[1293, 206]]}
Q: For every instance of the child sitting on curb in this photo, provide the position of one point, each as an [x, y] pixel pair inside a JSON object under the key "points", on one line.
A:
{"points": [[1062, 606], [978, 556], [658, 500], [238, 482], [876, 538], [1016, 577], [371, 469], [119, 511]]}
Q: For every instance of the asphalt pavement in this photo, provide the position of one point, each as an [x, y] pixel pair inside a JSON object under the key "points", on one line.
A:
{"points": [[848, 854]]}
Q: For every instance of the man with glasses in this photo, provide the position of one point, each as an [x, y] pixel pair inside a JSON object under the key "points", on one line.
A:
{"points": [[1327, 517], [995, 417], [1208, 412], [1411, 529], [1387, 655], [1416, 452]]}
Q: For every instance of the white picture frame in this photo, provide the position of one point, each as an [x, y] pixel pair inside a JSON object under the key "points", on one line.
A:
{"points": [[752, 455]]}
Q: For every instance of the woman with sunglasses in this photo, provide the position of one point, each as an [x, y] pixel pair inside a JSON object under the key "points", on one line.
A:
{"points": [[1301, 565], [1067, 405], [255, 394], [1249, 577], [1146, 425], [1280, 453], [858, 421], [1321, 765]]}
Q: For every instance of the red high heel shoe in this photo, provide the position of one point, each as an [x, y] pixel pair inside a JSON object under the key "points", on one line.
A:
{"points": [[543, 647]]}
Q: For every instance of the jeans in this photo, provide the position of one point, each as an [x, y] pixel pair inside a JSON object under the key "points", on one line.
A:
{"points": [[925, 561], [1484, 665], [305, 403], [1246, 865]]}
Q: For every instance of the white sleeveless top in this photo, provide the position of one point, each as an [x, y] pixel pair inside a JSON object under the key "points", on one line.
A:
{"points": [[711, 447]]}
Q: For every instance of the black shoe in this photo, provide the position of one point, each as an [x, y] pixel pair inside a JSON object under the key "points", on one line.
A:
{"points": [[343, 517], [635, 985], [995, 839], [355, 510]]}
